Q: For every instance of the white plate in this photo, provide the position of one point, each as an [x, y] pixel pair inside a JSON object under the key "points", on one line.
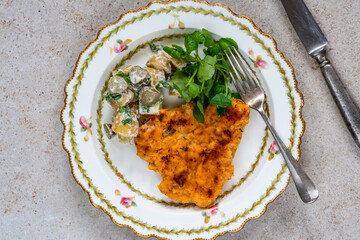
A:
{"points": [[118, 181]]}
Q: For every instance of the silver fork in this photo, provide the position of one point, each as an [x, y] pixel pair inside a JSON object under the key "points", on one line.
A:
{"points": [[253, 95]]}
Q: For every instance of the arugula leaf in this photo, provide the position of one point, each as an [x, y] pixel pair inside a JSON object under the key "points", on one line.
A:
{"points": [[198, 112], [206, 68], [153, 47], [221, 100]]}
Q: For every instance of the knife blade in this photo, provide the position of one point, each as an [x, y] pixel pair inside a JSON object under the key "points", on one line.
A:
{"points": [[315, 44], [305, 26]]}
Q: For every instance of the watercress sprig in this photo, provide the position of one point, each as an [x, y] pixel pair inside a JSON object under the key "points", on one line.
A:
{"points": [[204, 80]]}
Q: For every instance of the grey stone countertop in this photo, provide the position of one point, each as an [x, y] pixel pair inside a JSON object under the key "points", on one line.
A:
{"points": [[40, 42]]}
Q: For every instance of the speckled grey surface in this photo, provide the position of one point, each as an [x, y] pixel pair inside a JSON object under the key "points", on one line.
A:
{"points": [[39, 44]]}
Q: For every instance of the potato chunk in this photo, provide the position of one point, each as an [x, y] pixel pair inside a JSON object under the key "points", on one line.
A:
{"points": [[124, 100], [156, 75], [138, 76], [117, 85], [160, 62], [127, 129]]}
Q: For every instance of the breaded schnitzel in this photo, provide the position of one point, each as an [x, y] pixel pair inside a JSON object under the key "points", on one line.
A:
{"points": [[194, 159]]}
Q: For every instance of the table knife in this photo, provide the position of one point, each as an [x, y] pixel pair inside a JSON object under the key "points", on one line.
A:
{"points": [[315, 44]]}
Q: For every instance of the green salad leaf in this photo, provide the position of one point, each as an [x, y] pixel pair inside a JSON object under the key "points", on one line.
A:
{"points": [[221, 100], [198, 112], [172, 52], [226, 43], [206, 68], [204, 80]]}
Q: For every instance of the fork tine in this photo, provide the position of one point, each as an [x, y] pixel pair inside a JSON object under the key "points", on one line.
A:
{"points": [[236, 79], [241, 64], [250, 74], [238, 87], [238, 71], [240, 78], [229, 60], [232, 65], [241, 71]]}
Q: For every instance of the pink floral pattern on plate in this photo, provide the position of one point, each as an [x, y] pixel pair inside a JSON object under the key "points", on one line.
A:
{"points": [[211, 212], [273, 150], [85, 127], [125, 201], [258, 61], [181, 25], [120, 46]]}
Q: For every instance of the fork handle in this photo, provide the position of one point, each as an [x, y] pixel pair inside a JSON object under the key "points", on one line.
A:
{"points": [[305, 187], [348, 109]]}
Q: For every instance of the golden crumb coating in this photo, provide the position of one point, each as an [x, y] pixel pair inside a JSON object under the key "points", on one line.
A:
{"points": [[194, 159]]}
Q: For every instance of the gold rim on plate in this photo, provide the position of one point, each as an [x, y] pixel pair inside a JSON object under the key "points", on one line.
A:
{"points": [[235, 15]]}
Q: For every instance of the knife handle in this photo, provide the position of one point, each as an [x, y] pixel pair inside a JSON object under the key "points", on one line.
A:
{"points": [[348, 109]]}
